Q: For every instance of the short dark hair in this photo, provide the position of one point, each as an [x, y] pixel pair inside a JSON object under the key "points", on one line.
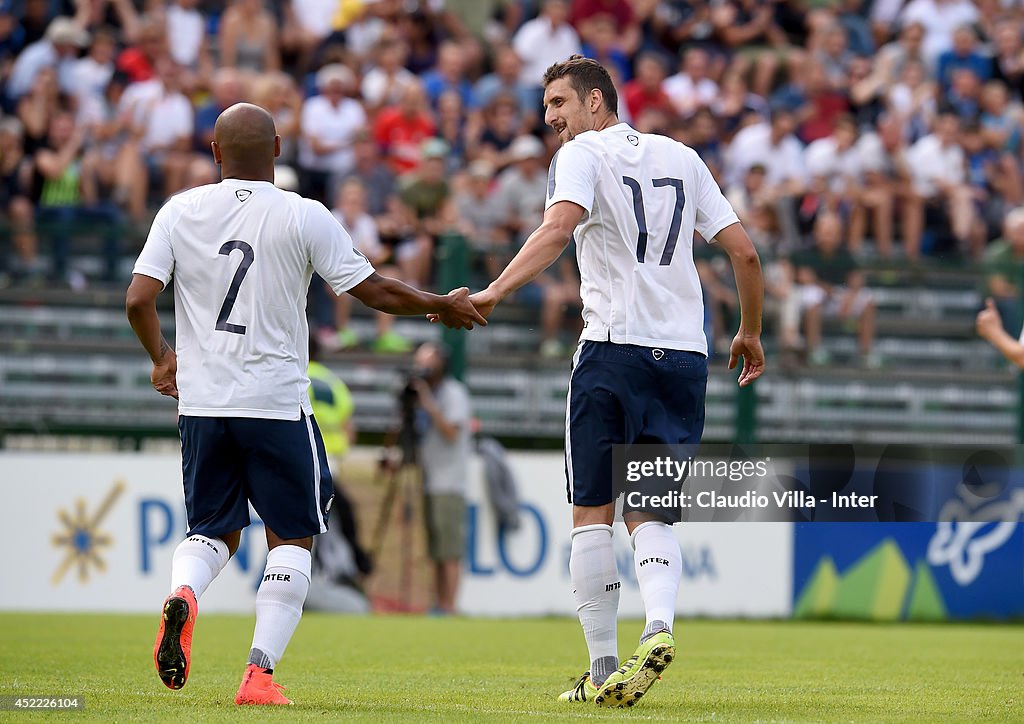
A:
{"points": [[585, 75]]}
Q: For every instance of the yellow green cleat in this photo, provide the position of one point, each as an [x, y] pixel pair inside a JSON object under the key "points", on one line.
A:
{"points": [[632, 680], [583, 690]]}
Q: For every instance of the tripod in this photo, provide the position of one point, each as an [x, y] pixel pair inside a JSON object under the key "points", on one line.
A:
{"points": [[404, 480]]}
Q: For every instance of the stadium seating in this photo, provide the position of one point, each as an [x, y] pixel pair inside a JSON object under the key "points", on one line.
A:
{"points": [[71, 364]]}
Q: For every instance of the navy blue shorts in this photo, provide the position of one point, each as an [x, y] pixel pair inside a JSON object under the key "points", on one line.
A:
{"points": [[278, 465], [622, 394]]}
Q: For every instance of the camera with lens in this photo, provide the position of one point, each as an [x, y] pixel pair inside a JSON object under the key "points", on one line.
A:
{"points": [[408, 397], [408, 402]]}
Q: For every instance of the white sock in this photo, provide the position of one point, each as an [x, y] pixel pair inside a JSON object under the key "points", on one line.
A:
{"points": [[595, 583], [197, 561], [279, 603], [659, 567]]}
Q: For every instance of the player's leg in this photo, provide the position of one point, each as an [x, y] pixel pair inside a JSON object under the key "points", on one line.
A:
{"points": [[279, 601], [200, 558], [289, 485], [658, 564], [594, 422], [216, 510], [595, 586], [659, 568], [674, 415]]}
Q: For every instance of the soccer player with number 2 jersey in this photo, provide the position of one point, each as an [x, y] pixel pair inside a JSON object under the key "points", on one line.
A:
{"points": [[241, 253]]}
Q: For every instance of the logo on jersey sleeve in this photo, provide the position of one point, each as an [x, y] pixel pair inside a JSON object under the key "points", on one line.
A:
{"points": [[658, 354], [633, 138], [243, 194]]}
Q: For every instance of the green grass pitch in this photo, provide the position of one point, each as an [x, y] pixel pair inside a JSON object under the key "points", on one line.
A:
{"points": [[395, 668]]}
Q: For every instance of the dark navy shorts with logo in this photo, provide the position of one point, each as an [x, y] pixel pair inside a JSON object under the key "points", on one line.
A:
{"points": [[280, 466], [625, 394]]}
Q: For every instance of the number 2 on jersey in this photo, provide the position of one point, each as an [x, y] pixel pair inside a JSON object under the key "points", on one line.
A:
{"points": [[641, 217], [248, 256]]}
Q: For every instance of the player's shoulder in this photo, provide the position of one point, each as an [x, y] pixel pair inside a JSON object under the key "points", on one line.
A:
{"points": [[314, 219], [191, 196], [305, 207], [627, 137], [183, 202], [588, 140], [662, 147]]}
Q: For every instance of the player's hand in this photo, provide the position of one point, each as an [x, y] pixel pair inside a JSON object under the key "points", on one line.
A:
{"points": [[988, 323], [460, 312], [165, 375], [484, 301], [747, 346]]}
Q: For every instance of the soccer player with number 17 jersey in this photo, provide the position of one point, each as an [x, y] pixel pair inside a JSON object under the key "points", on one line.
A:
{"points": [[633, 201], [241, 253]]}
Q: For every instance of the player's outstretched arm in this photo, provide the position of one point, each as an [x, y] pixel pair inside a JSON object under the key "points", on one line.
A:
{"points": [[140, 306], [395, 297], [746, 266], [539, 252], [990, 328]]}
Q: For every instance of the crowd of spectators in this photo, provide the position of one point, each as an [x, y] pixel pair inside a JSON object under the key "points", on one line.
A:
{"points": [[843, 131]]}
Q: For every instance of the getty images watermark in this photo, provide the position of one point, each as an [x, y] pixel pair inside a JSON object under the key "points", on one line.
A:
{"points": [[837, 483]]}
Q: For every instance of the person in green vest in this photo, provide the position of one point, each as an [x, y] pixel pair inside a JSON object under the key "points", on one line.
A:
{"points": [[332, 406], [339, 561]]}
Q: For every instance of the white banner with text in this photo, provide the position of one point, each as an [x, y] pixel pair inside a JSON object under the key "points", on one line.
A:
{"points": [[96, 532]]}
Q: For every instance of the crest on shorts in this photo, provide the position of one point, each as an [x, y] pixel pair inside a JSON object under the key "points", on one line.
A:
{"points": [[243, 194], [658, 353], [633, 139]]}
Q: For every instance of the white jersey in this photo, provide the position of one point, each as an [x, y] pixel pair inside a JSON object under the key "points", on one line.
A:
{"points": [[644, 196], [242, 254]]}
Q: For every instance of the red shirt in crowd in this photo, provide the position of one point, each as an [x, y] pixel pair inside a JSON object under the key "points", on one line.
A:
{"points": [[583, 10], [400, 137], [825, 109], [135, 63], [639, 100]]}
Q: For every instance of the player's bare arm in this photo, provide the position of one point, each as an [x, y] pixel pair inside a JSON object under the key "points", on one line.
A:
{"points": [[140, 306], [540, 251], [395, 297], [746, 266]]}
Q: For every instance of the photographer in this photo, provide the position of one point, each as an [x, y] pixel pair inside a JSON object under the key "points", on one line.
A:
{"points": [[443, 420]]}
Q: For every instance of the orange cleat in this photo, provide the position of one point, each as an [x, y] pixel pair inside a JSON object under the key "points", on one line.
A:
{"points": [[259, 687], [173, 649]]}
